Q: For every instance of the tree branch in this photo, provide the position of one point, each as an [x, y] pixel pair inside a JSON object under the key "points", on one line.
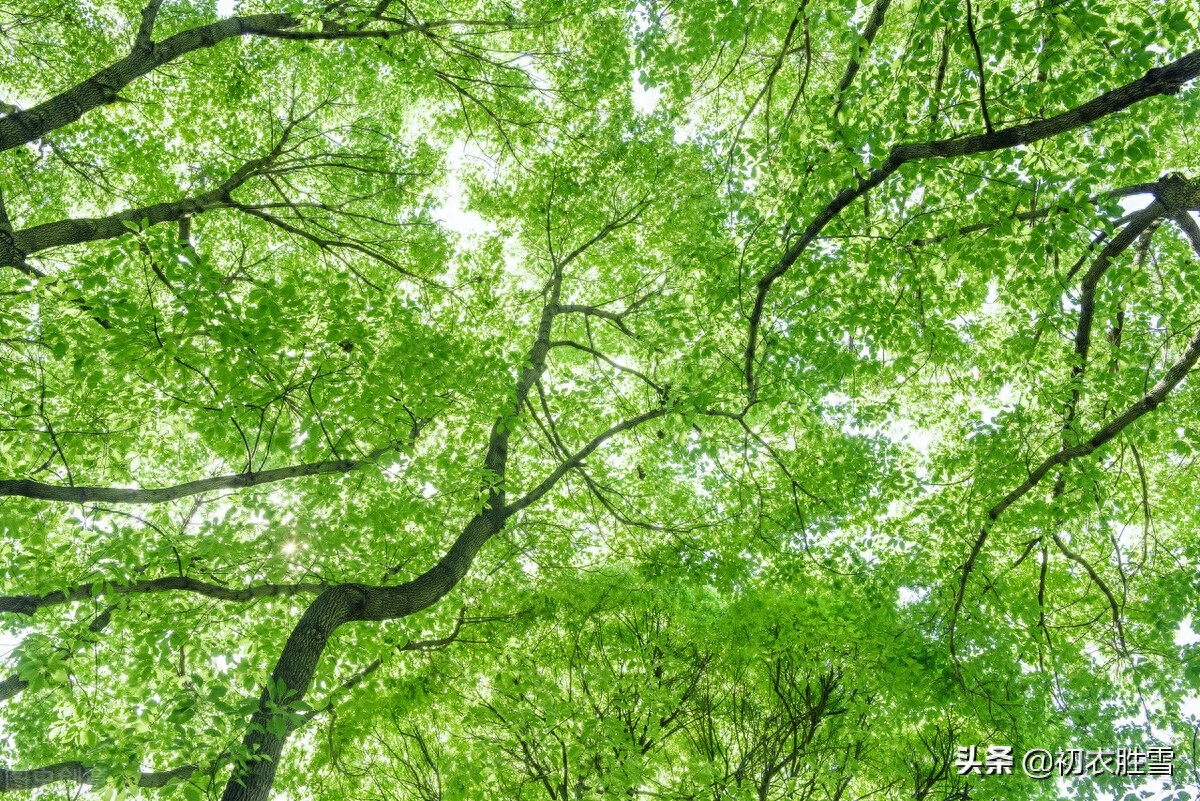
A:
{"points": [[1190, 229], [412, 645], [1114, 607], [1138, 225], [874, 23], [617, 319], [146, 29], [324, 243], [29, 604], [102, 88], [6, 228], [577, 458], [987, 118], [27, 488], [595, 354], [628, 217], [1148, 403], [344, 603], [770, 80], [1029, 216], [9, 246], [61, 233], [1158, 81]]}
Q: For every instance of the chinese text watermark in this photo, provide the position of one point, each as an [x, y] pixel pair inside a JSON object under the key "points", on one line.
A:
{"points": [[1040, 763]]}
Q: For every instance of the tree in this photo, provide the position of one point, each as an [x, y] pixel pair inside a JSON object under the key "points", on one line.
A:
{"points": [[801, 395]]}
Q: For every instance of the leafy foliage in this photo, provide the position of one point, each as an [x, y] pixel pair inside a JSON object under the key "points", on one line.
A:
{"points": [[563, 401]]}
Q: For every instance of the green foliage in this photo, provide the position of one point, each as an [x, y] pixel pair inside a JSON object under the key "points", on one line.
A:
{"points": [[400, 271]]}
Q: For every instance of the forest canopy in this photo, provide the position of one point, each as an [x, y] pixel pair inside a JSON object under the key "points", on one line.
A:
{"points": [[545, 400]]}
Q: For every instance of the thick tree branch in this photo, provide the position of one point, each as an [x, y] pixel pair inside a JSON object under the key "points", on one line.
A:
{"points": [[6, 228], [1133, 189], [359, 602], [617, 319], [344, 603], [9, 251], [1189, 227], [1136, 227], [284, 157], [11, 686], [61, 233], [1165, 80], [146, 28], [102, 88], [29, 604]]}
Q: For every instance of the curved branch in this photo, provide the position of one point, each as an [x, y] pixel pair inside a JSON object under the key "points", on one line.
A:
{"points": [[1142, 222], [27, 488], [29, 604], [577, 458], [1141, 227], [616, 318], [345, 603], [324, 243], [878, 10], [1149, 402], [1190, 229], [1033, 214], [60, 233], [1166, 80], [102, 88], [779, 462], [987, 118], [1099, 582]]}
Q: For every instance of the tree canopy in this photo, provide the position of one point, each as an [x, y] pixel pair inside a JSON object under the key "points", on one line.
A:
{"points": [[576, 400]]}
